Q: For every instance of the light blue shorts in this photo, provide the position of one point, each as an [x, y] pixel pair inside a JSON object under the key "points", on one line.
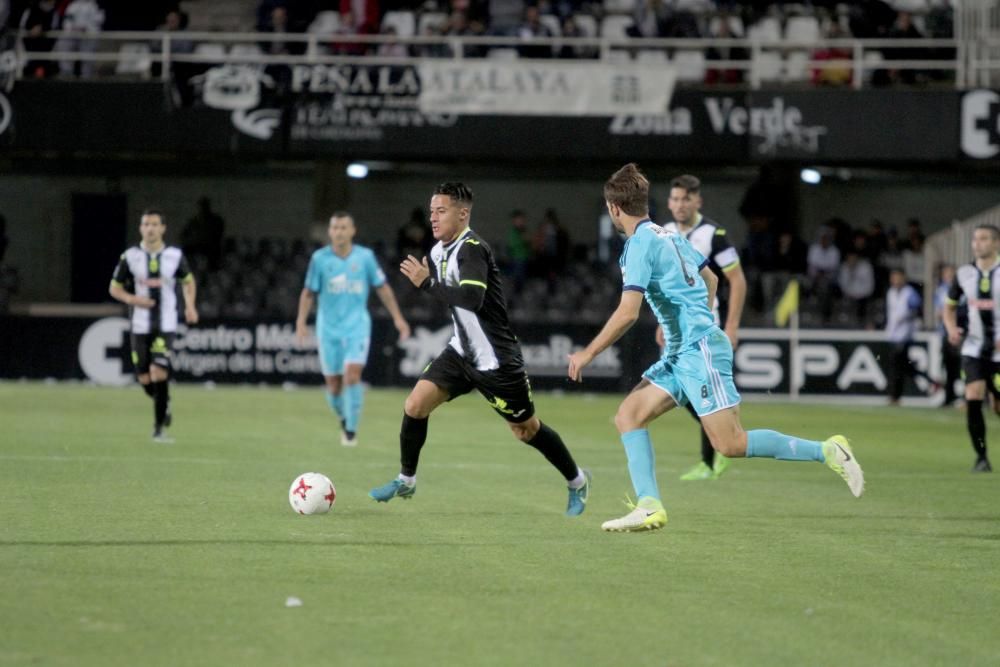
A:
{"points": [[337, 352], [701, 375]]}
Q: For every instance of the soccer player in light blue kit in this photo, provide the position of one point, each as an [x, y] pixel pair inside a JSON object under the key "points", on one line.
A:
{"points": [[697, 361], [341, 274]]}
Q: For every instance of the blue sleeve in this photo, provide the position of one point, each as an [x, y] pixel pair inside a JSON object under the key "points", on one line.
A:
{"points": [[913, 302], [637, 267], [313, 278], [375, 275]]}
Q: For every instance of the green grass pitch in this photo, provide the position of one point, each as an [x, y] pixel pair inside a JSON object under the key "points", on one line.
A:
{"points": [[115, 550]]}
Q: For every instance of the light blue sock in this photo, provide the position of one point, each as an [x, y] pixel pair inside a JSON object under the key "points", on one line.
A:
{"points": [[641, 463], [774, 445], [354, 396], [336, 403]]}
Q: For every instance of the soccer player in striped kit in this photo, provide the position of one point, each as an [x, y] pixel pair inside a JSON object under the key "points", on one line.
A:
{"points": [[146, 280], [979, 282]]}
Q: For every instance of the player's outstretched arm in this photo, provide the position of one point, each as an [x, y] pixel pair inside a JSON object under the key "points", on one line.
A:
{"points": [[306, 299], [388, 299], [620, 321]]}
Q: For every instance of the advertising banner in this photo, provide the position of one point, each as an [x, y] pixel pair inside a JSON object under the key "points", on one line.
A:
{"points": [[980, 138], [831, 365], [388, 112], [538, 88]]}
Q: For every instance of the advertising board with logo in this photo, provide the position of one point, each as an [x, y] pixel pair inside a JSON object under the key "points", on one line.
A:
{"points": [[980, 113], [838, 366]]}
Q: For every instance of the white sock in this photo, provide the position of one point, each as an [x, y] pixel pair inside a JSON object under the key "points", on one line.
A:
{"points": [[579, 480], [409, 481]]}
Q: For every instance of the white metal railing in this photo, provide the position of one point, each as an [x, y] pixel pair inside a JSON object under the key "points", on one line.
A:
{"points": [[969, 63]]}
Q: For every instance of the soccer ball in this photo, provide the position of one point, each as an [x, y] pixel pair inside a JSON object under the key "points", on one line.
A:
{"points": [[312, 493]]}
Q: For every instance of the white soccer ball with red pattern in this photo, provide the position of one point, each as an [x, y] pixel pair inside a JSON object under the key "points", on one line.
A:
{"points": [[312, 493]]}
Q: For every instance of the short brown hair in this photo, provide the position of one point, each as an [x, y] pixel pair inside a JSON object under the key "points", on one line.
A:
{"points": [[628, 189], [686, 182], [992, 229]]}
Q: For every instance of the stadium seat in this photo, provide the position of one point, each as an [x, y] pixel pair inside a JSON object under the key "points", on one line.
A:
{"points": [[405, 23], [767, 67], [503, 53], [690, 65], [587, 24], [796, 66], [614, 27], [768, 29], [912, 6], [428, 19], [619, 6], [212, 50], [134, 58], [618, 57], [694, 6], [802, 29], [245, 50], [551, 22], [325, 23], [652, 56]]}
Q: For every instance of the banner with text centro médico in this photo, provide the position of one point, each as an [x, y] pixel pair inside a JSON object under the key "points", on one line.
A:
{"points": [[539, 88]]}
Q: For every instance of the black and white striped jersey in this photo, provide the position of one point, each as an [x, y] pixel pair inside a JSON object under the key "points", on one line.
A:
{"points": [[709, 238], [465, 276], [982, 294], [154, 275]]}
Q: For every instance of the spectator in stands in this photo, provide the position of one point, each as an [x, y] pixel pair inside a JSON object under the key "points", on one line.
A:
{"points": [[202, 235], [551, 247], [902, 315], [392, 49], [892, 257], [84, 17], [365, 13], [681, 24], [904, 29], [174, 21], [649, 19], [728, 75], [822, 266], [279, 25], [38, 18], [571, 29], [871, 19], [839, 75], [530, 30], [518, 249], [505, 16], [349, 26], [856, 280], [913, 261], [790, 255], [951, 356], [458, 25]]}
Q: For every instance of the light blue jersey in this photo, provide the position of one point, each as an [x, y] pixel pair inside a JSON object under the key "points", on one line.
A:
{"points": [[665, 267], [342, 285]]}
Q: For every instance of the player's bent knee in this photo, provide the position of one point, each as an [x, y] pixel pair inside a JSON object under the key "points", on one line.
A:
{"points": [[416, 408], [626, 420], [526, 431]]}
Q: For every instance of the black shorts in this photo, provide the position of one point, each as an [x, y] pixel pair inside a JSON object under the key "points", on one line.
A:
{"points": [[507, 390], [979, 368], [150, 349]]}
